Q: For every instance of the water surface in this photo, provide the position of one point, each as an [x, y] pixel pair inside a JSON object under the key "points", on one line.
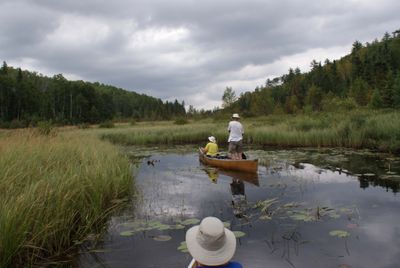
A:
{"points": [[304, 208]]}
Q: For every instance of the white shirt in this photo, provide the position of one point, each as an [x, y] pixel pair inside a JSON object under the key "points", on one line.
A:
{"points": [[235, 129]]}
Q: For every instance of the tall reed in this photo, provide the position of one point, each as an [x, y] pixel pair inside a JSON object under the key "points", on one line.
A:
{"points": [[54, 191], [354, 129]]}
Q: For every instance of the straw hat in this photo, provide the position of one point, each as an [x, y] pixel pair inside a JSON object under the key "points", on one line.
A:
{"points": [[212, 139], [210, 243], [235, 116]]}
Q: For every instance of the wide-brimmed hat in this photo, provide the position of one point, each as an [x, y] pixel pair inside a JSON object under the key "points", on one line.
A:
{"points": [[210, 243], [235, 116], [212, 139]]}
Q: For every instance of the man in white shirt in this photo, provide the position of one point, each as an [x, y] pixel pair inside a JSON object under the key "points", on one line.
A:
{"points": [[235, 129]]}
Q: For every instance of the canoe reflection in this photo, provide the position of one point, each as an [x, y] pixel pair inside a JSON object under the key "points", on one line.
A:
{"points": [[239, 201], [214, 173]]}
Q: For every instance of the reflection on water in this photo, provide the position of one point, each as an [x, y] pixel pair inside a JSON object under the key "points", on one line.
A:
{"points": [[304, 208]]}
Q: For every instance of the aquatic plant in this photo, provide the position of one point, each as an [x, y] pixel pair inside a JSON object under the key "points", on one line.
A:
{"points": [[353, 129], [54, 192]]}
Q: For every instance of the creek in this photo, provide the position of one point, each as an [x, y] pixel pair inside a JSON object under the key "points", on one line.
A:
{"points": [[304, 208]]}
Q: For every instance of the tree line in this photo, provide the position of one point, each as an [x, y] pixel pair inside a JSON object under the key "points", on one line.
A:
{"points": [[28, 97], [368, 77]]}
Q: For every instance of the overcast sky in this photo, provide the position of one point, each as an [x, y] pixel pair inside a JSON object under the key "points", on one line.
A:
{"points": [[188, 50]]}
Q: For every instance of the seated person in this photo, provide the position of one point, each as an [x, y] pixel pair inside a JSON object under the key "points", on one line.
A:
{"points": [[211, 148], [211, 245]]}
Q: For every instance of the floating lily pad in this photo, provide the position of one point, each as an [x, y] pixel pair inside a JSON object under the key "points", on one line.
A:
{"points": [[190, 221], [183, 247], [162, 238], [239, 234], [127, 233], [339, 233], [227, 224], [301, 216], [158, 225], [177, 226]]}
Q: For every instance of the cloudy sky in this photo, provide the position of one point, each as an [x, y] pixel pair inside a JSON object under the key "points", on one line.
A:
{"points": [[185, 49]]}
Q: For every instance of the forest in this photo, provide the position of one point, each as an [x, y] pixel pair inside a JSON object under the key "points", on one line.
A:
{"points": [[369, 77], [27, 98]]}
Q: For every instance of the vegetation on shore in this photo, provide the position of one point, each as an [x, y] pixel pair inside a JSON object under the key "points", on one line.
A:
{"points": [[55, 190], [352, 129]]}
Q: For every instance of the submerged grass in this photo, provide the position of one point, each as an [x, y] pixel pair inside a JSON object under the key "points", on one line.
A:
{"points": [[54, 191], [354, 129]]}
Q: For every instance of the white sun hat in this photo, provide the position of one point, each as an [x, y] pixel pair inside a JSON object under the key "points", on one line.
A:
{"points": [[212, 139], [210, 243], [235, 116]]}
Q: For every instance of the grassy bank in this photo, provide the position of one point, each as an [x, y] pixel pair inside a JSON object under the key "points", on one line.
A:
{"points": [[54, 191], [354, 129]]}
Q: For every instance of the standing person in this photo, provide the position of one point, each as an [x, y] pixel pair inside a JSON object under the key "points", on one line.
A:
{"points": [[236, 131], [211, 244]]}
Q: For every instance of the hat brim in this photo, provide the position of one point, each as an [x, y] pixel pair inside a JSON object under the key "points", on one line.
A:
{"points": [[207, 257]]}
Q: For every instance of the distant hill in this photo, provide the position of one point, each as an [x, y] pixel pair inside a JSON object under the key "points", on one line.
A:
{"points": [[368, 77], [28, 97]]}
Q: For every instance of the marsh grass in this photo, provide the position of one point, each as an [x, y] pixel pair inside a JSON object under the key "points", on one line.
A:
{"points": [[54, 191], [353, 129]]}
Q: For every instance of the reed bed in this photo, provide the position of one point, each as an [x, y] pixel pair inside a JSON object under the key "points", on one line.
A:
{"points": [[354, 129], [54, 191]]}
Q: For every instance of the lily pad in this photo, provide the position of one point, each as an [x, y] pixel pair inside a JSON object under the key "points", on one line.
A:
{"points": [[301, 216], [239, 234], [177, 227], [227, 224], [162, 238], [183, 247], [339, 233], [127, 233], [192, 221]]}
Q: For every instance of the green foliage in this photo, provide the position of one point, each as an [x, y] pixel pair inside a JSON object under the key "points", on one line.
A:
{"points": [[368, 77], [376, 100], [228, 97], [45, 128], [314, 97], [354, 128], [17, 124], [359, 92], [27, 95], [181, 121], [106, 124], [55, 192], [83, 126], [396, 91]]}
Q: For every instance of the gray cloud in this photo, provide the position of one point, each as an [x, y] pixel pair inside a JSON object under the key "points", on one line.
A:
{"points": [[189, 50]]}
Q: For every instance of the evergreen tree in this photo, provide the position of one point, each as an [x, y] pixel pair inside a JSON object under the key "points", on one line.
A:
{"points": [[396, 91], [314, 98], [228, 98], [376, 100], [359, 92]]}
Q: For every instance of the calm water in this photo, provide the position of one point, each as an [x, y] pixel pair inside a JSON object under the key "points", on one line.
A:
{"points": [[304, 208]]}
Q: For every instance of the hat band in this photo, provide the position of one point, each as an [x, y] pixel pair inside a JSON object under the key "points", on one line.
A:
{"points": [[210, 243]]}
